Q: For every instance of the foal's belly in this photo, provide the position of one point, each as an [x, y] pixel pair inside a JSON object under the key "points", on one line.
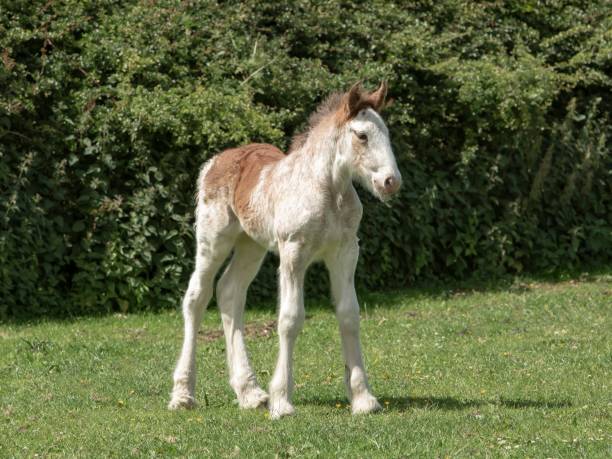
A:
{"points": [[260, 233], [318, 240]]}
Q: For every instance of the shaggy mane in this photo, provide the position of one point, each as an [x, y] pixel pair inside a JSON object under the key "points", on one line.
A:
{"points": [[344, 106], [326, 108]]}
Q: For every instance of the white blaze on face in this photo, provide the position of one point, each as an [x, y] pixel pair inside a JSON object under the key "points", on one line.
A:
{"points": [[372, 155]]}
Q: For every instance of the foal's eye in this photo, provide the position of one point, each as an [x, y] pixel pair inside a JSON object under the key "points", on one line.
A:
{"points": [[362, 136]]}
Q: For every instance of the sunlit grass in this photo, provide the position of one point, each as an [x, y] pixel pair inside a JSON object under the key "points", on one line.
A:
{"points": [[520, 371]]}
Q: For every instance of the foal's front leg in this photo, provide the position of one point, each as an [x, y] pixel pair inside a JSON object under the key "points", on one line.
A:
{"points": [[341, 265], [290, 322]]}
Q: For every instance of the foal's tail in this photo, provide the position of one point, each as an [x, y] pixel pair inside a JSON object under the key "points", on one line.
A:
{"points": [[200, 188]]}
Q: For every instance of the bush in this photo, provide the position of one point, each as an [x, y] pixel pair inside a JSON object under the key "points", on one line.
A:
{"points": [[107, 109]]}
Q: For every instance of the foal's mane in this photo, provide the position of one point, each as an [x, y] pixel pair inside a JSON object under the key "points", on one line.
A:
{"points": [[328, 107], [343, 106]]}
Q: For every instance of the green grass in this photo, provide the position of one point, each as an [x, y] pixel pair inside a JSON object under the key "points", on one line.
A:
{"points": [[521, 371]]}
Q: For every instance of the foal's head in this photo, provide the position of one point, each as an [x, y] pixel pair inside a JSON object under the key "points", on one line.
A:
{"points": [[353, 120], [364, 140]]}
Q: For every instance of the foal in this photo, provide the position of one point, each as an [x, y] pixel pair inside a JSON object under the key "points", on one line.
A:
{"points": [[304, 207]]}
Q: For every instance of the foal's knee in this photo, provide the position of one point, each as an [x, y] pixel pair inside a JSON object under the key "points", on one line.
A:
{"points": [[290, 323], [348, 318], [198, 292]]}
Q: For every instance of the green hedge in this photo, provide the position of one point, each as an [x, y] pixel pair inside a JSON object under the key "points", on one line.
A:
{"points": [[107, 108]]}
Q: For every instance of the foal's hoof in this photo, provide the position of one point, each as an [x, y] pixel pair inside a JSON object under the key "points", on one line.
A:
{"points": [[364, 404], [179, 401], [279, 408], [253, 398]]}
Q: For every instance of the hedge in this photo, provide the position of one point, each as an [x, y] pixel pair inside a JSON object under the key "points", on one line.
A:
{"points": [[501, 127]]}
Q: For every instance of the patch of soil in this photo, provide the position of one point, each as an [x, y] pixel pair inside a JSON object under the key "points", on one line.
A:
{"points": [[252, 330]]}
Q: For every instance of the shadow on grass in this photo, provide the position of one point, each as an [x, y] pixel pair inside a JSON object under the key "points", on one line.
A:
{"points": [[446, 403]]}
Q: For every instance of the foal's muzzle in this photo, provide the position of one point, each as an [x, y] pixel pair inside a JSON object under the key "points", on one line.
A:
{"points": [[388, 185]]}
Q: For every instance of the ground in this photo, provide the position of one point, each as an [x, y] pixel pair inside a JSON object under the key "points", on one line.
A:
{"points": [[518, 370]]}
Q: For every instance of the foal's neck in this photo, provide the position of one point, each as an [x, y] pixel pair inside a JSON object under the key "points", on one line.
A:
{"points": [[323, 158]]}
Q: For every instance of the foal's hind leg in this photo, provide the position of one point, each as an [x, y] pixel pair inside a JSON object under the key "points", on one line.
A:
{"points": [[216, 233], [231, 297]]}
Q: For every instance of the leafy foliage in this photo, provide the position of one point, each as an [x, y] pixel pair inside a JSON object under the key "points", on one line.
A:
{"points": [[107, 109]]}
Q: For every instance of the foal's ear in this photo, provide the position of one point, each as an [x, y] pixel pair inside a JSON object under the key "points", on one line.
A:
{"points": [[378, 97], [352, 101]]}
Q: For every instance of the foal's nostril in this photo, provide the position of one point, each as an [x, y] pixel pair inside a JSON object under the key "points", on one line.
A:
{"points": [[391, 184]]}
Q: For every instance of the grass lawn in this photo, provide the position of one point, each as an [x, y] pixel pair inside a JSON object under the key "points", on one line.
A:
{"points": [[521, 370]]}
